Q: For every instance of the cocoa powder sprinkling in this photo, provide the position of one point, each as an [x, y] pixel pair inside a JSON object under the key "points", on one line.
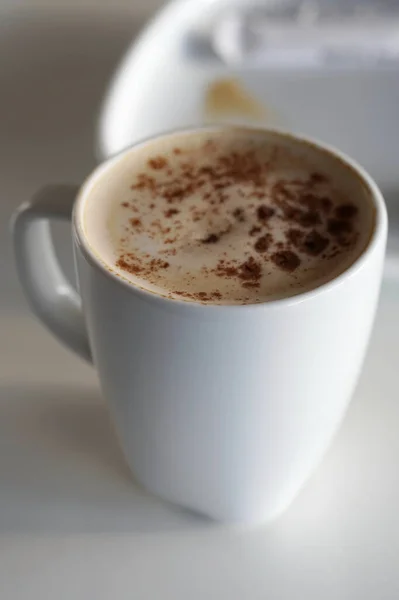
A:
{"points": [[337, 227], [263, 243], [254, 230], [212, 238], [295, 236], [309, 218], [314, 243], [287, 222], [127, 263], [171, 212], [250, 270], [286, 260], [158, 162], [346, 211], [135, 222], [226, 270], [239, 214], [317, 178], [326, 204], [264, 213]]}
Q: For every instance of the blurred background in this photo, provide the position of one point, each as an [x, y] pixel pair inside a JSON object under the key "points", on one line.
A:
{"points": [[273, 62], [140, 8], [56, 61]]}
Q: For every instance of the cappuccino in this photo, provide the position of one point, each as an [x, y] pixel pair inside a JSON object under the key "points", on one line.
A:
{"points": [[228, 216]]}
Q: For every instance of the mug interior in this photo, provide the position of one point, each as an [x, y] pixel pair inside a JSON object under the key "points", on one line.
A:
{"points": [[98, 192]]}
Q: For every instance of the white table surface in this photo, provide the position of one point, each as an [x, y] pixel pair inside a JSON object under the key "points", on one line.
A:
{"points": [[73, 525]]}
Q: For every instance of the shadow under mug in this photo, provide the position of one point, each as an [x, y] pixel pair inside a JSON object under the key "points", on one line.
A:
{"points": [[225, 410]]}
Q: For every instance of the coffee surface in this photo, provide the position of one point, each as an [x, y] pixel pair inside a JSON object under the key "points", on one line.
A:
{"points": [[228, 217]]}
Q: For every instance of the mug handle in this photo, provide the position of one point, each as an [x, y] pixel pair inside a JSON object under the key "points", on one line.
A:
{"points": [[50, 295]]}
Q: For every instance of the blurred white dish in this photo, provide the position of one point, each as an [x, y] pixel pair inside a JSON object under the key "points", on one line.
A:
{"points": [[163, 82]]}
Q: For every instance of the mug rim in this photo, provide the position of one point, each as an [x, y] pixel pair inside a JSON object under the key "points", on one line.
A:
{"points": [[94, 259]]}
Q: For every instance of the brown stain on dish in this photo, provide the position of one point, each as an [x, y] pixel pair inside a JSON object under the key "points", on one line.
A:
{"points": [[226, 97]]}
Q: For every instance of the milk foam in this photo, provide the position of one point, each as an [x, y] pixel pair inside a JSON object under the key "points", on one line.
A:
{"points": [[233, 216]]}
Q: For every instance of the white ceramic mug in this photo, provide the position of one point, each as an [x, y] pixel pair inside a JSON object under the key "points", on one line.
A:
{"points": [[223, 409]]}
